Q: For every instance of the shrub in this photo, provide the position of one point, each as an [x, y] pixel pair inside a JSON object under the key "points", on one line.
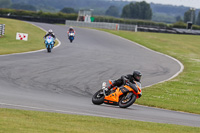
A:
{"points": [[41, 14]]}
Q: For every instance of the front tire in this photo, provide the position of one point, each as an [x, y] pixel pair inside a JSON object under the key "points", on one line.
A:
{"points": [[98, 97], [126, 102], [49, 50]]}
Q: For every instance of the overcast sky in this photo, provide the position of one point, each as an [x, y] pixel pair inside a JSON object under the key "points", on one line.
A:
{"points": [[188, 3]]}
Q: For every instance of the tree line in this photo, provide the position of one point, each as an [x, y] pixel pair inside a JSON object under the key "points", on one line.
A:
{"points": [[190, 16], [9, 4], [133, 10]]}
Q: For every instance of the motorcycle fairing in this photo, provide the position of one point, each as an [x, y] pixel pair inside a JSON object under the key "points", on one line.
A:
{"points": [[49, 42], [48, 46], [71, 38], [110, 102], [113, 97], [124, 89], [135, 89]]}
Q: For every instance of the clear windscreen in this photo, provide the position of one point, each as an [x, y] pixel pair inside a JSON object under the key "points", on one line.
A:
{"points": [[139, 84]]}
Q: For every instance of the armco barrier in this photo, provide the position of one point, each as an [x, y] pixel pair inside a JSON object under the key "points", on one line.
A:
{"points": [[102, 25], [128, 27], [2, 29]]}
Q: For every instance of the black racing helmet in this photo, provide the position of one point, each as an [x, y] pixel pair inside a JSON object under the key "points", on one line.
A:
{"points": [[137, 75]]}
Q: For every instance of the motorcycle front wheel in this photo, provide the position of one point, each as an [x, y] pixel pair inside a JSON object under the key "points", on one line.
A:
{"points": [[98, 97], [126, 102], [48, 49]]}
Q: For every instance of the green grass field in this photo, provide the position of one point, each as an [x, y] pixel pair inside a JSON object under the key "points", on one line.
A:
{"points": [[8, 42], [183, 92], [18, 121]]}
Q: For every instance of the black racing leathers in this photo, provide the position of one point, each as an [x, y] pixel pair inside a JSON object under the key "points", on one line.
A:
{"points": [[121, 81], [50, 34]]}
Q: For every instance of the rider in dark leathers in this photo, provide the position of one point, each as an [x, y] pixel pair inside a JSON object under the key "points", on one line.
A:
{"points": [[50, 33], [136, 76]]}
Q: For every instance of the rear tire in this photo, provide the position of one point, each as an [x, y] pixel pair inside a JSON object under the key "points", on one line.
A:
{"points": [[98, 98], [124, 103]]}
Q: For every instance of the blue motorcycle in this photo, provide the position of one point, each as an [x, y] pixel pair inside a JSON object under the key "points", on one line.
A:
{"points": [[49, 41], [71, 36]]}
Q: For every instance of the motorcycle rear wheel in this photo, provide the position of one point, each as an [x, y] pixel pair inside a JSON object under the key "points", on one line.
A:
{"points": [[98, 97], [126, 102]]}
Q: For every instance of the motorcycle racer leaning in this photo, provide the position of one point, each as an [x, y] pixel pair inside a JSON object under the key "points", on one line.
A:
{"points": [[135, 77]]}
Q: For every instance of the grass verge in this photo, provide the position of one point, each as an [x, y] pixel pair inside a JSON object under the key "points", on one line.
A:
{"points": [[18, 121], [183, 92], [8, 42]]}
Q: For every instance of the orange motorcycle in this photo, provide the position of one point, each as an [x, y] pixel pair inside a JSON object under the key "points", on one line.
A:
{"points": [[123, 96]]}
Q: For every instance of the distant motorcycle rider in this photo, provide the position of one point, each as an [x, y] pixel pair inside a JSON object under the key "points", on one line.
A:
{"points": [[71, 30], [50, 33], [136, 76]]}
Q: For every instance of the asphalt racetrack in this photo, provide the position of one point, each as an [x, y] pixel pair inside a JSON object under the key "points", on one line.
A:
{"points": [[65, 80]]}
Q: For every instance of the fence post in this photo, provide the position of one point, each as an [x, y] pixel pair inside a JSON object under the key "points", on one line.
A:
{"points": [[3, 29], [136, 27], [116, 26], [0, 29]]}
